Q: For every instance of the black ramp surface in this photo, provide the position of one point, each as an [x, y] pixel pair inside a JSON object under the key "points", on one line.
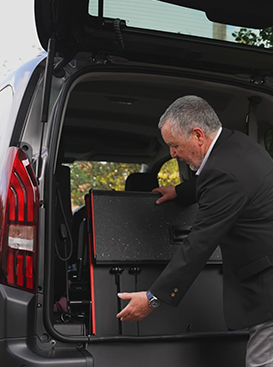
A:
{"points": [[130, 227]]}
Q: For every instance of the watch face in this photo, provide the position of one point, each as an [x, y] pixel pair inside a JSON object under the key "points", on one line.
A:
{"points": [[154, 302]]}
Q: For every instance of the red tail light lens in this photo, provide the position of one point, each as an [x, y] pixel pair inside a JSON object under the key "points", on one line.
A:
{"points": [[19, 212]]}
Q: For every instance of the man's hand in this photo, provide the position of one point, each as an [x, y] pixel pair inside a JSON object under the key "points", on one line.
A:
{"points": [[138, 307], [167, 192]]}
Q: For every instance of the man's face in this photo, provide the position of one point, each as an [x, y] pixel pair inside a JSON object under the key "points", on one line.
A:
{"points": [[191, 150]]}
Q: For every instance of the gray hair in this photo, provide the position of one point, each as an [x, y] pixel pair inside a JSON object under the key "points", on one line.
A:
{"points": [[189, 112]]}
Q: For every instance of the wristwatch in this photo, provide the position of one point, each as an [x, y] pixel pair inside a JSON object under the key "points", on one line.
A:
{"points": [[153, 301]]}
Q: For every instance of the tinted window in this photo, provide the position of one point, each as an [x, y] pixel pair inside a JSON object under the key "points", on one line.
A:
{"points": [[157, 15], [169, 173], [98, 176]]}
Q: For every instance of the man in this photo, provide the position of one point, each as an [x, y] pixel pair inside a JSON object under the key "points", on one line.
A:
{"points": [[234, 191]]}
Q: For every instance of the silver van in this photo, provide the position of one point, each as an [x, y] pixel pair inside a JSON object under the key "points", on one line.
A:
{"points": [[93, 98]]}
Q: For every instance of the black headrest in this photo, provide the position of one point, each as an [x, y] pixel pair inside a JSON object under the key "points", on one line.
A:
{"points": [[141, 182]]}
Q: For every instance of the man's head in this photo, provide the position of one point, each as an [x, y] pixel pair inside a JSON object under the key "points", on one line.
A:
{"points": [[188, 126]]}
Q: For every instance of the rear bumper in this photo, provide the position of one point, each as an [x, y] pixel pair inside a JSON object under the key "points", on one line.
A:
{"points": [[16, 353]]}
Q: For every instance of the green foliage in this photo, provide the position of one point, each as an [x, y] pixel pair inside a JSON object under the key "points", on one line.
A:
{"points": [[99, 176], [169, 174], [111, 176], [261, 38]]}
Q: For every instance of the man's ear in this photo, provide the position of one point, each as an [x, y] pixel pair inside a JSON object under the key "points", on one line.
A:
{"points": [[198, 134]]}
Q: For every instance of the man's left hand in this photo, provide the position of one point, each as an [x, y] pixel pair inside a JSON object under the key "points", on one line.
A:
{"points": [[138, 307]]}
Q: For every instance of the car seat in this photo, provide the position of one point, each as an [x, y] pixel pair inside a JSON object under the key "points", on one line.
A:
{"points": [[141, 181]]}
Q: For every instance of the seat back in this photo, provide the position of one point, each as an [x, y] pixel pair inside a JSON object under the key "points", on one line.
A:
{"points": [[141, 181]]}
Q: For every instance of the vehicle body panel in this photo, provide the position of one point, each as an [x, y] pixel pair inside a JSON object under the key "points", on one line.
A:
{"points": [[106, 89]]}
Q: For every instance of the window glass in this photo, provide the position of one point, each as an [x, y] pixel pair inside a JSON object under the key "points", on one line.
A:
{"points": [[161, 16], [98, 176], [112, 176], [169, 173]]}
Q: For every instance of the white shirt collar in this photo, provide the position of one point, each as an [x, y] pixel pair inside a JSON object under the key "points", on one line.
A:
{"points": [[209, 151]]}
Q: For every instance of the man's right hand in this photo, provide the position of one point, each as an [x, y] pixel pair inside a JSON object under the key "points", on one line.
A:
{"points": [[167, 192]]}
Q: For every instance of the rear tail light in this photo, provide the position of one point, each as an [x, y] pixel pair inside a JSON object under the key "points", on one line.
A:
{"points": [[19, 212]]}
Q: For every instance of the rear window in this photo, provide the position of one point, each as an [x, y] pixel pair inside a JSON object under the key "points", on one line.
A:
{"points": [[112, 176], [160, 16], [98, 176]]}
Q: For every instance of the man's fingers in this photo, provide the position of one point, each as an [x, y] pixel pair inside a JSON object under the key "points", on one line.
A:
{"points": [[125, 314], [161, 200], [124, 295], [128, 314], [122, 315], [136, 309], [167, 192]]}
